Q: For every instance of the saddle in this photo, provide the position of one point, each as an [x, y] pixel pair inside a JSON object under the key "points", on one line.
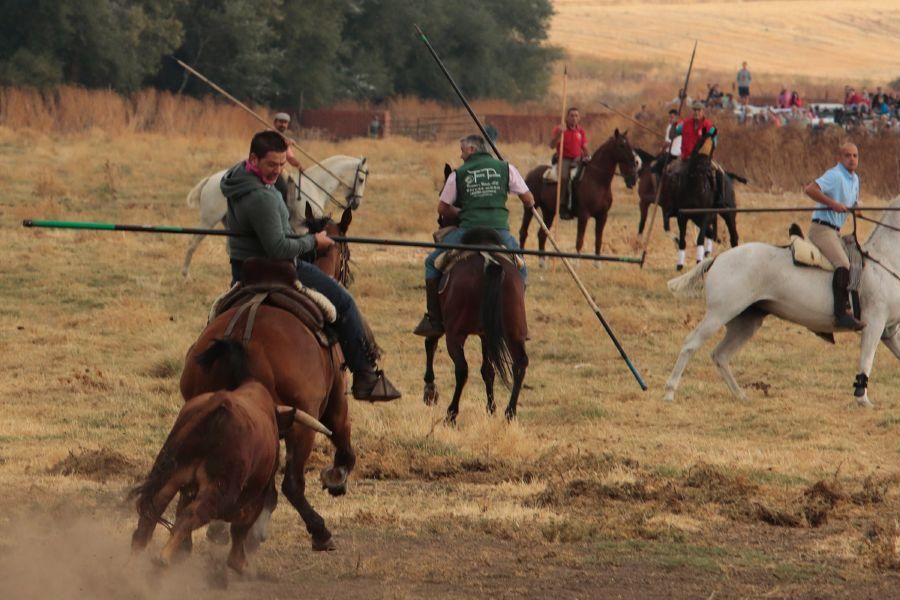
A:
{"points": [[480, 237], [274, 283], [805, 253]]}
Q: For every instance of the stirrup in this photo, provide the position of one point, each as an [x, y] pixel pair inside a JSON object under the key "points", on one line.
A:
{"points": [[373, 386], [429, 327]]}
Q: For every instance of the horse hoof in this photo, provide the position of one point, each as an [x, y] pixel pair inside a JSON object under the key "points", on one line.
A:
{"points": [[430, 395], [510, 415], [334, 479], [679, 267], [323, 545], [669, 396], [450, 420], [542, 263], [864, 402]]}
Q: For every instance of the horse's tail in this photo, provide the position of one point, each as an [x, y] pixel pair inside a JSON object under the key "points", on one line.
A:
{"points": [[193, 197], [190, 434], [233, 370], [690, 285], [496, 352]]}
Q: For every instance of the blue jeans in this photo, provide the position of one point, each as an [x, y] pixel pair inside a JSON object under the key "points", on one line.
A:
{"points": [[349, 324], [455, 237]]}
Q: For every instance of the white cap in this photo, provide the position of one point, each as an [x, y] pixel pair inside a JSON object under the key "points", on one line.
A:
{"points": [[282, 117]]}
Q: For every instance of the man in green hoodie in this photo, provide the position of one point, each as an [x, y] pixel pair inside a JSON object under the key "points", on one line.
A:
{"points": [[475, 195], [256, 209]]}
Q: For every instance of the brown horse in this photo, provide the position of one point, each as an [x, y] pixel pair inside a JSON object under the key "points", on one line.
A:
{"points": [[286, 357], [485, 297], [593, 191]]}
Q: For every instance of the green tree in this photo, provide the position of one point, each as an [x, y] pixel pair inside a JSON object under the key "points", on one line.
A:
{"points": [[103, 43], [232, 42]]}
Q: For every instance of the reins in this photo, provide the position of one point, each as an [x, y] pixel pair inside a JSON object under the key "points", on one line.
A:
{"points": [[868, 255]]}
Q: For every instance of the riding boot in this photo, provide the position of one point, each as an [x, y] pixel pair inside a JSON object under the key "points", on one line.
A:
{"points": [[432, 324], [372, 385], [844, 318], [369, 382]]}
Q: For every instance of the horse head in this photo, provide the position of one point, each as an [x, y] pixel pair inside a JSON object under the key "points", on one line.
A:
{"points": [[335, 261], [624, 156], [355, 195]]}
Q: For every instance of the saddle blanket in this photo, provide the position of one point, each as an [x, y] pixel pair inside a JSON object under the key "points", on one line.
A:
{"points": [[446, 261], [805, 253], [550, 173]]}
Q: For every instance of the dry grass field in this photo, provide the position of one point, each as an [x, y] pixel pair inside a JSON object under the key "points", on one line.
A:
{"points": [[638, 50], [599, 489]]}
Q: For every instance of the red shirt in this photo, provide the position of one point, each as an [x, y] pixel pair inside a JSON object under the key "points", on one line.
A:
{"points": [[691, 131], [573, 140]]}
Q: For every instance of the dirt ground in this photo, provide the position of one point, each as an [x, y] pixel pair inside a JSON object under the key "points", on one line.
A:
{"points": [[598, 490]]}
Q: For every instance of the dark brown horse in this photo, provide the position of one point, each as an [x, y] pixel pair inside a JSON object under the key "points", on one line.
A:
{"points": [[287, 358], [700, 185], [647, 182], [593, 191], [484, 297]]}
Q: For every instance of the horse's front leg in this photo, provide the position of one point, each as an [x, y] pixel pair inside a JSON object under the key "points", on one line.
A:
{"points": [[299, 444], [703, 225], [430, 395], [599, 224], [682, 242], [579, 238], [461, 370], [527, 215], [868, 344], [487, 374], [731, 223]]}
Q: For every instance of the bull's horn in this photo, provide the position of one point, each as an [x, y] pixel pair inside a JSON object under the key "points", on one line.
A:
{"points": [[310, 421], [304, 418]]}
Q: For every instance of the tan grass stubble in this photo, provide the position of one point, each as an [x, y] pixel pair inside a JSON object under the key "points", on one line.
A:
{"points": [[95, 325]]}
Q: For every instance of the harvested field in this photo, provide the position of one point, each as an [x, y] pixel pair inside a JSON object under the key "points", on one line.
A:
{"points": [[599, 490]]}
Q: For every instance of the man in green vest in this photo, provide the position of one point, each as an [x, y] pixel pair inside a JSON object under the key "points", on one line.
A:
{"points": [[475, 196]]}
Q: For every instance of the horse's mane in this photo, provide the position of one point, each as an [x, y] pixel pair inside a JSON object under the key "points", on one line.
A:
{"points": [[646, 157]]}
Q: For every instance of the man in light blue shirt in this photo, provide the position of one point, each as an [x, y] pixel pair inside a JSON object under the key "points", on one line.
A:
{"points": [[836, 191]]}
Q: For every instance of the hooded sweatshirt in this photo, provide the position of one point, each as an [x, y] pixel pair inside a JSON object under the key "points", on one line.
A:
{"points": [[257, 209]]}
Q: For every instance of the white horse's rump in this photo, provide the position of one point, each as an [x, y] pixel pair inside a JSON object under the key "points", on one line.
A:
{"points": [[316, 185], [749, 282]]}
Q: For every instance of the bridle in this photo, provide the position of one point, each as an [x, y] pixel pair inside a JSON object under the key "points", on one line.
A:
{"points": [[868, 255], [353, 197]]}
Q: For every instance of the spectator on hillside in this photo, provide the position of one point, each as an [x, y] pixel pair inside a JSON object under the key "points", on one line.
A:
{"points": [[784, 99], [743, 84], [727, 101], [491, 132], [713, 96], [796, 102]]}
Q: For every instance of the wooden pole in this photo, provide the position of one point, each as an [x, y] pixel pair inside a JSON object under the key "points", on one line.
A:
{"points": [[559, 150], [256, 116]]}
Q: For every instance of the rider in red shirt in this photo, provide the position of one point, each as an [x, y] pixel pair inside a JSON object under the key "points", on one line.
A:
{"points": [[575, 153], [692, 129]]}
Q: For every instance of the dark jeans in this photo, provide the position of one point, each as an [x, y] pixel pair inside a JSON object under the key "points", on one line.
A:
{"points": [[350, 329]]}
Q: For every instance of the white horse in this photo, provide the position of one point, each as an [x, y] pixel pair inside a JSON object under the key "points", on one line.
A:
{"points": [[318, 187], [748, 282]]}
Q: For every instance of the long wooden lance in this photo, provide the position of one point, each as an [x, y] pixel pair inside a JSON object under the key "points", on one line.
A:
{"points": [[537, 217], [171, 229], [682, 96], [562, 137], [268, 126]]}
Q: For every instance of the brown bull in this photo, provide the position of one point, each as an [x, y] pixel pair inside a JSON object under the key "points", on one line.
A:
{"points": [[222, 454]]}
